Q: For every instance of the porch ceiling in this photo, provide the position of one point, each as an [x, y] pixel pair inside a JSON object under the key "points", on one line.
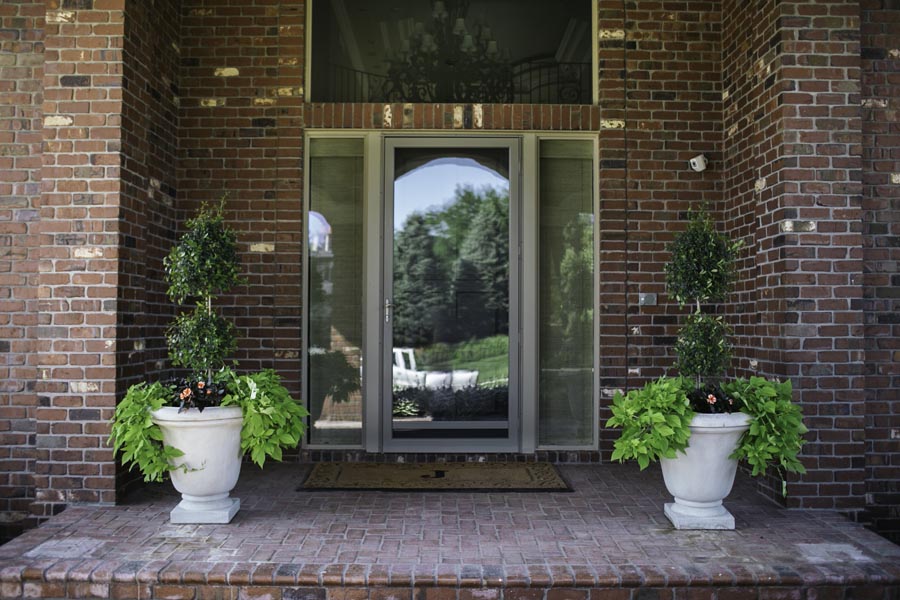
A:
{"points": [[609, 532]]}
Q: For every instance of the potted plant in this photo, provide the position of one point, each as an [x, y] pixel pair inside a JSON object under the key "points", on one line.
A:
{"points": [[697, 425], [197, 428]]}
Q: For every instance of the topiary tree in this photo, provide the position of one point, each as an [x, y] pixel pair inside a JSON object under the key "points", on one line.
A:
{"points": [[700, 271], [201, 265]]}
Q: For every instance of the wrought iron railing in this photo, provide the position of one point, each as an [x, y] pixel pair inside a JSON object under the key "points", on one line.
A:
{"points": [[533, 82]]}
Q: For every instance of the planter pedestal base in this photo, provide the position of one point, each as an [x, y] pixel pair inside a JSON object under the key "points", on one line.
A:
{"points": [[686, 517], [194, 509]]}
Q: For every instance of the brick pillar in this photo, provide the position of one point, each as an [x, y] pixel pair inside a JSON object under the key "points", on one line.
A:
{"points": [[76, 383], [21, 73], [816, 230], [792, 138], [881, 230], [289, 228], [611, 265]]}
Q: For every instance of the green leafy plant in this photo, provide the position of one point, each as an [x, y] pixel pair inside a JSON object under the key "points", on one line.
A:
{"points": [[136, 437], [654, 420], [702, 348], [701, 270], [202, 264], [405, 407], [776, 433], [272, 419]]}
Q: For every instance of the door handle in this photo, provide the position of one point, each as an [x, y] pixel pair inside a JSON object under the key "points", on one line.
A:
{"points": [[387, 310]]}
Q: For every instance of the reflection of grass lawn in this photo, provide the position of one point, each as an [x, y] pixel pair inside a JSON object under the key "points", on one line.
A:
{"points": [[489, 368]]}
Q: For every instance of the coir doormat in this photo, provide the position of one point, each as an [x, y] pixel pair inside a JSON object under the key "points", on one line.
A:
{"points": [[444, 477]]}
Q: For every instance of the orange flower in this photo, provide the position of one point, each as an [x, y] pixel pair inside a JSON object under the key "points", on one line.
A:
{"points": [[200, 385], [711, 399], [185, 393]]}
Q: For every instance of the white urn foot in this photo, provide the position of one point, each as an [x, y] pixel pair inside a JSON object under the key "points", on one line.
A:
{"points": [[691, 517], [219, 509]]}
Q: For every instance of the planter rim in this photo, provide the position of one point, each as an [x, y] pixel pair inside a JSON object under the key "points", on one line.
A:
{"points": [[209, 416], [721, 420]]}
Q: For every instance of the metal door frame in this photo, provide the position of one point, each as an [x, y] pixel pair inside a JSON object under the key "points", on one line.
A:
{"points": [[512, 442]]}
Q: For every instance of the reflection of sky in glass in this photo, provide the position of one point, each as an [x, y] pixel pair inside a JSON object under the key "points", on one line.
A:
{"points": [[434, 184], [319, 230]]}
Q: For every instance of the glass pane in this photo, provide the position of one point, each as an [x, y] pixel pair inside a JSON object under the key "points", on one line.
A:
{"points": [[566, 293], [525, 51], [450, 371], [335, 296]]}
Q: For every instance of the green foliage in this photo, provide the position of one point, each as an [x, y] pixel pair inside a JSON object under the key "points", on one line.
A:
{"points": [[468, 351], [405, 407], [200, 341], [336, 377], [419, 291], [464, 246], [702, 265], [486, 248], [702, 348], [272, 419], [204, 262], [776, 432], [137, 437], [575, 310], [452, 221], [654, 420]]}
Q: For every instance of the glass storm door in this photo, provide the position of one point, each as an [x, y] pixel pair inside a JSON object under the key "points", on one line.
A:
{"points": [[450, 306]]}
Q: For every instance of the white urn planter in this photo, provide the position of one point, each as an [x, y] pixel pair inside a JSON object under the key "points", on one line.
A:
{"points": [[211, 443], [703, 476]]}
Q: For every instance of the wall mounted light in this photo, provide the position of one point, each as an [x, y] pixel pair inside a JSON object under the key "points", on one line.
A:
{"points": [[698, 163]]}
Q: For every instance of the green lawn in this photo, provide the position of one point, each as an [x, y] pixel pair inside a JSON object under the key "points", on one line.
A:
{"points": [[489, 368]]}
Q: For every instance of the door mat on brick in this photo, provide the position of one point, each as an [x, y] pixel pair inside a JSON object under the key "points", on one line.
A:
{"points": [[438, 477]]}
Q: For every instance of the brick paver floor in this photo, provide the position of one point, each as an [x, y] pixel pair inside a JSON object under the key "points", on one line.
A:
{"points": [[609, 531]]}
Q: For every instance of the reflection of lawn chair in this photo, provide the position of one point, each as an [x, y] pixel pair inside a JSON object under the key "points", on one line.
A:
{"points": [[406, 375], [404, 369]]}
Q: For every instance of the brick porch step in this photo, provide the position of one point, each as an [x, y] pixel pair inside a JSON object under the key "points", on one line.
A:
{"points": [[607, 539]]}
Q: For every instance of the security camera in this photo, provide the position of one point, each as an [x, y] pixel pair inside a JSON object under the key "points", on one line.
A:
{"points": [[698, 163]]}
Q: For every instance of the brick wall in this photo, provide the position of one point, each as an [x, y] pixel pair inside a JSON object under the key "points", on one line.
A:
{"points": [[241, 119], [661, 110], [21, 73], [881, 201], [792, 143], [76, 381], [752, 133], [148, 188]]}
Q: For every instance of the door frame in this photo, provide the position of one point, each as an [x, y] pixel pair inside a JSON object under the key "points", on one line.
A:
{"points": [[511, 443], [528, 251]]}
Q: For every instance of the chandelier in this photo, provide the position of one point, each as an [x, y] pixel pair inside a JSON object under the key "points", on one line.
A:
{"points": [[449, 61]]}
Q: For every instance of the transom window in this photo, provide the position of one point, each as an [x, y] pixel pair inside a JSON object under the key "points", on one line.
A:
{"points": [[500, 51]]}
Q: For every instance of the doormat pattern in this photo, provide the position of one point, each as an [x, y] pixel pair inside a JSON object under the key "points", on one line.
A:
{"points": [[443, 477]]}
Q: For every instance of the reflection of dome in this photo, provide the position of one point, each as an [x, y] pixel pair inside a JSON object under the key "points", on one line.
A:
{"points": [[319, 233]]}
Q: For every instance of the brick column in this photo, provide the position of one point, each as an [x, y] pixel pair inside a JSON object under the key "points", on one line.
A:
{"points": [[792, 135], [21, 73], [612, 343], [881, 230], [817, 234], [76, 382]]}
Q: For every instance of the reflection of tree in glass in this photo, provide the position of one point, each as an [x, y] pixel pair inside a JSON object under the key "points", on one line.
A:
{"points": [[319, 308], [486, 247], [575, 307], [451, 222], [419, 282], [463, 246]]}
